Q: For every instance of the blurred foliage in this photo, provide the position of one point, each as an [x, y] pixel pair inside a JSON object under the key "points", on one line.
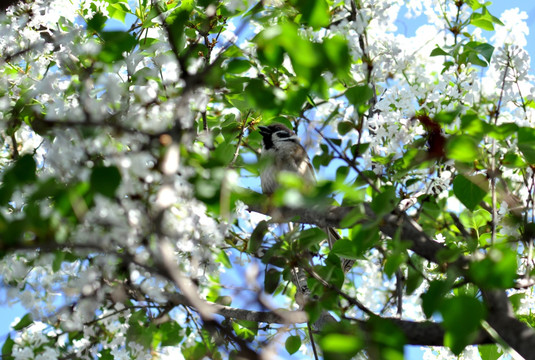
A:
{"points": [[217, 85]]}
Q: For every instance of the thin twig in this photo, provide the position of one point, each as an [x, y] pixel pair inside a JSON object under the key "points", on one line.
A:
{"points": [[312, 343], [492, 174], [240, 137], [349, 162], [328, 285], [15, 147]]}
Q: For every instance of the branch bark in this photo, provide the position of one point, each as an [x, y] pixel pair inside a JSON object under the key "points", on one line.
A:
{"points": [[425, 333], [501, 318], [271, 317], [340, 217]]}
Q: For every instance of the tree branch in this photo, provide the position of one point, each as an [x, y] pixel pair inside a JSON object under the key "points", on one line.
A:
{"points": [[341, 216], [425, 333], [271, 317], [501, 318]]}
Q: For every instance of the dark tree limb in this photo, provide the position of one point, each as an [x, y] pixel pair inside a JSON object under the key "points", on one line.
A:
{"points": [[425, 333], [7, 3], [338, 216], [271, 317], [501, 318]]}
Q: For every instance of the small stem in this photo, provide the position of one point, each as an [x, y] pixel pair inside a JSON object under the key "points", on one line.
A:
{"points": [[240, 137], [15, 147], [349, 162], [530, 239], [204, 121], [312, 343]]}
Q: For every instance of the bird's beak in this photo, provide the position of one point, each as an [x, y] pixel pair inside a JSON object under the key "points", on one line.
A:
{"points": [[264, 131]]}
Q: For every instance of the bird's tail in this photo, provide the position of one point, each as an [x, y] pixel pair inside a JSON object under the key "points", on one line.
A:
{"points": [[332, 237]]}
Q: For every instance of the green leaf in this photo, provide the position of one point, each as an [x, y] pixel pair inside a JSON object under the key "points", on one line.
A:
{"points": [[23, 172], [359, 95], [358, 149], [344, 344], [245, 329], [438, 52], [364, 238], [475, 220], [337, 52], [238, 66], [470, 190], [462, 316], [477, 53], [105, 180], [497, 270], [224, 152], [331, 272], [344, 127], [170, 333], [474, 4], [58, 260], [414, 274], [177, 22], [270, 52], [503, 131], [139, 331], [384, 202], [393, 263], [434, 296], [484, 49], [516, 300], [118, 11], [314, 13], [311, 237], [481, 22], [489, 352], [26, 321], [97, 22], [462, 148], [7, 348], [257, 237], [271, 280], [259, 96], [115, 44], [389, 338], [296, 97], [345, 248], [526, 143], [446, 117], [222, 258], [472, 125], [484, 20], [293, 343]]}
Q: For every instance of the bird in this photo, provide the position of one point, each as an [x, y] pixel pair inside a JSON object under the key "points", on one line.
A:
{"points": [[285, 153], [281, 145]]}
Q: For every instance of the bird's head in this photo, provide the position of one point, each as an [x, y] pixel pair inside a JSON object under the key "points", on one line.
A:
{"points": [[275, 135]]}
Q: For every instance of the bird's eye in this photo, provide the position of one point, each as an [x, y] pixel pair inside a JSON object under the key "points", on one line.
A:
{"points": [[283, 134]]}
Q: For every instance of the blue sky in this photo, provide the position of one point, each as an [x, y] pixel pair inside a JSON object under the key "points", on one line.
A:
{"points": [[406, 26]]}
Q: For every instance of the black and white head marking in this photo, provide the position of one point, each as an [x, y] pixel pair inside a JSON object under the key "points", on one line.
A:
{"points": [[275, 134]]}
